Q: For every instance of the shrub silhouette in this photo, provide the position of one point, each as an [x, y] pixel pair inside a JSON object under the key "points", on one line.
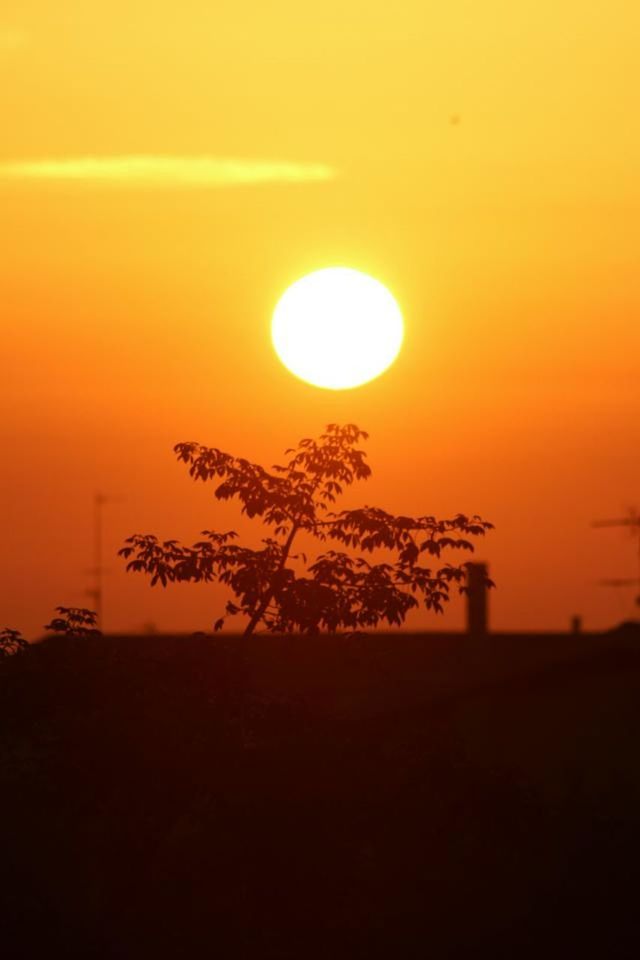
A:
{"points": [[339, 591], [11, 643], [74, 622], [71, 621]]}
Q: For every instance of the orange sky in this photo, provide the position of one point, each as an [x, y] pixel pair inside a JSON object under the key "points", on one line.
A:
{"points": [[136, 300]]}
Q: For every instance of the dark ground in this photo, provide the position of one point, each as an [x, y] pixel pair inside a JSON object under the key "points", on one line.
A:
{"points": [[396, 796]]}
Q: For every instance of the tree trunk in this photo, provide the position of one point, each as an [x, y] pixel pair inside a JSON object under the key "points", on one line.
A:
{"points": [[258, 613]]}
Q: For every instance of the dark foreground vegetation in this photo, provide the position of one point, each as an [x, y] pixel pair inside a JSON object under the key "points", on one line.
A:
{"points": [[382, 797]]}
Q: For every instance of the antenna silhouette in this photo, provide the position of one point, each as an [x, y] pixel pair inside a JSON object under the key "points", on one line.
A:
{"points": [[632, 521], [98, 571]]}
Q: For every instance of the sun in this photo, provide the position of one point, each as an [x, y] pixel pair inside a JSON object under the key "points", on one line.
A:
{"points": [[337, 328]]}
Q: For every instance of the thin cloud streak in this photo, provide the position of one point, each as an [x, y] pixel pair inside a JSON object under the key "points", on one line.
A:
{"points": [[159, 171]]}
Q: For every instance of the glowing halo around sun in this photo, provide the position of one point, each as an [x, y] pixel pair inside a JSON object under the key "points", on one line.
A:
{"points": [[337, 328]]}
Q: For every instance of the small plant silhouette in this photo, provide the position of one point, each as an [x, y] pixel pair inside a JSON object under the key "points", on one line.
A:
{"points": [[74, 622], [339, 591], [11, 643]]}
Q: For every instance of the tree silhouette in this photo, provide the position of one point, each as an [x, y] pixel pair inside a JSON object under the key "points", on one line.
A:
{"points": [[282, 591]]}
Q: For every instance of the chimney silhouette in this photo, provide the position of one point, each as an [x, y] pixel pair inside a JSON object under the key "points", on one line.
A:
{"points": [[477, 605]]}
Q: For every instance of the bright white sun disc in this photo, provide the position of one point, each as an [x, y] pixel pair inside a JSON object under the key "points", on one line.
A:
{"points": [[337, 328]]}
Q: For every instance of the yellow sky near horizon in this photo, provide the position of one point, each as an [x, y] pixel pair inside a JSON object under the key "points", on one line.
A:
{"points": [[479, 158]]}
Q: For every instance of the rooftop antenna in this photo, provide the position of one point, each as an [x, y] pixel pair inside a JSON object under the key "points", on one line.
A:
{"points": [[632, 521], [98, 570]]}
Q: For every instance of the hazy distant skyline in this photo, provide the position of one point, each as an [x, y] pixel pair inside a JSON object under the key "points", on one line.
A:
{"points": [[135, 316]]}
